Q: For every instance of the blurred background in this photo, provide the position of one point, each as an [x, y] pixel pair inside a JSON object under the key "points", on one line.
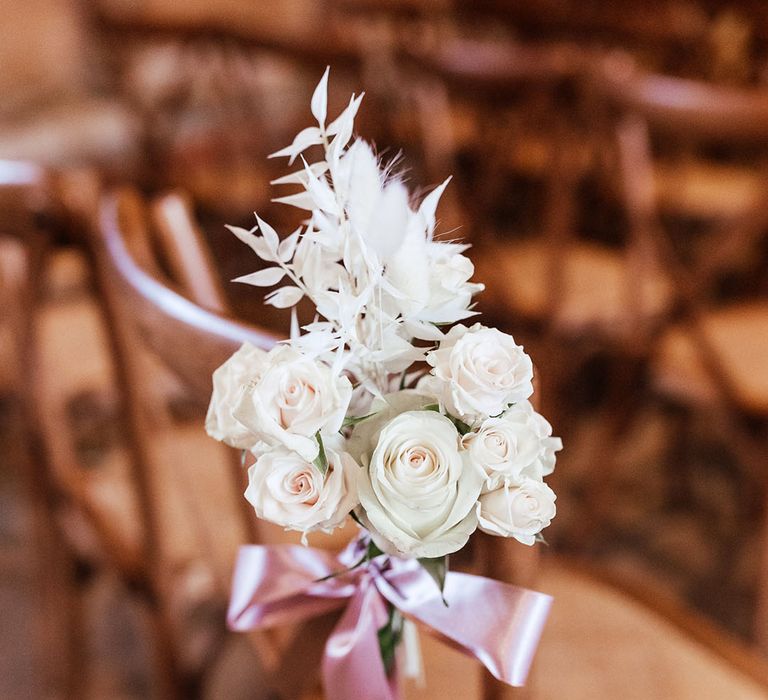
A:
{"points": [[609, 164]]}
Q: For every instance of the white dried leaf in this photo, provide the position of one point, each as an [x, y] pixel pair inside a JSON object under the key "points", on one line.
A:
{"points": [[270, 235], [428, 206], [347, 115], [422, 330], [446, 314], [300, 200], [302, 250], [300, 176], [256, 243], [287, 247], [344, 133], [311, 136], [263, 278], [321, 193], [319, 104], [284, 298]]}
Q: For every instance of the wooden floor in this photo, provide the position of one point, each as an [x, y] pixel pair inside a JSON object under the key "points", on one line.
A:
{"points": [[594, 647]]}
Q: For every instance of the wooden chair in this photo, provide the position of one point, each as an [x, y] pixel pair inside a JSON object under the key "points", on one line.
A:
{"points": [[578, 600], [24, 243], [553, 275], [131, 518], [52, 112], [494, 104], [672, 35], [708, 353], [615, 638]]}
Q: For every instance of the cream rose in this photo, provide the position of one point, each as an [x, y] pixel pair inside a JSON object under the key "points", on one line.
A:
{"points": [[229, 382], [478, 371], [521, 511], [290, 491], [417, 491], [513, 446], [295, 397]]}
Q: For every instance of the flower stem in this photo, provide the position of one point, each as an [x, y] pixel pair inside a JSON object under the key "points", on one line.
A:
{"points": [[390, 636]]}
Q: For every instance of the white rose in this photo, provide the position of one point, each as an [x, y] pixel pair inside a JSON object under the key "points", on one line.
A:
{"points": [[295, 398], [229, 381], [381, 410], [451, 291], [513, 446], [290, 491], [417, 491], [521, 511], [478, 371]]}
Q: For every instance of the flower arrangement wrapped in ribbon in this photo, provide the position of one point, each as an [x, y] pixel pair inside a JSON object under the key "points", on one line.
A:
{"points": [[387, 409]]}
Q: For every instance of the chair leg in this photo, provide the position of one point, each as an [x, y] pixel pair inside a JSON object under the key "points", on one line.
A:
{"points": [[761, 605], [60, 592], [679, 459], [620, 412], [57, 567]]}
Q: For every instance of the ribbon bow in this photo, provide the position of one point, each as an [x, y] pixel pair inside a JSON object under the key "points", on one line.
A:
{"points": [[497, 623]]}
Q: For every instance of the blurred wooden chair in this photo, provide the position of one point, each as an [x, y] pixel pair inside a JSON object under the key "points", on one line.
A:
{"points": [[612, 638], [161, 313], [490, 107], [670, 36], [178, 237], [165, 513], [554, 275], [25, 239], [708, 355]]}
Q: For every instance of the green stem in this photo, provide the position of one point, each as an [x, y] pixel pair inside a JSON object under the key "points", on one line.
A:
{"points": [[390, 636]]}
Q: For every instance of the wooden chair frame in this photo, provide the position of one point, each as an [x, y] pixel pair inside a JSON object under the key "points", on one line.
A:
{"points": [[642, 103]]}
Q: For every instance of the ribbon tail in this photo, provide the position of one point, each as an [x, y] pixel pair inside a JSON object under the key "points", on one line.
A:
{"points": [[352, 664], [497, 623]]}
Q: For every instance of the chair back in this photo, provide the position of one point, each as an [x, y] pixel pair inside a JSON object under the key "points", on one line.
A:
{"points": [[683, 107], [491, 113], [189, 339], [692, 162]]}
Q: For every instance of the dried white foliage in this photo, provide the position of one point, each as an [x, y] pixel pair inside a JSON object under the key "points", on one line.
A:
{"points": [[368, 260]]}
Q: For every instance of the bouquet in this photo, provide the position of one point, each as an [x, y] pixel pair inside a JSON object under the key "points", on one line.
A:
{"points": [[390, 407]]}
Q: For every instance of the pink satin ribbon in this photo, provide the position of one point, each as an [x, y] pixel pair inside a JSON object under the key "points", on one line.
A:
{"points": [[495, 622]]}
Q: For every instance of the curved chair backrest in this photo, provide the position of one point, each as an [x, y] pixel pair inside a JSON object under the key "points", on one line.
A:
{"points": [[484, 66], [189, 339], [684, 107], [528, 82], [310, 46], [638, 107]]}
